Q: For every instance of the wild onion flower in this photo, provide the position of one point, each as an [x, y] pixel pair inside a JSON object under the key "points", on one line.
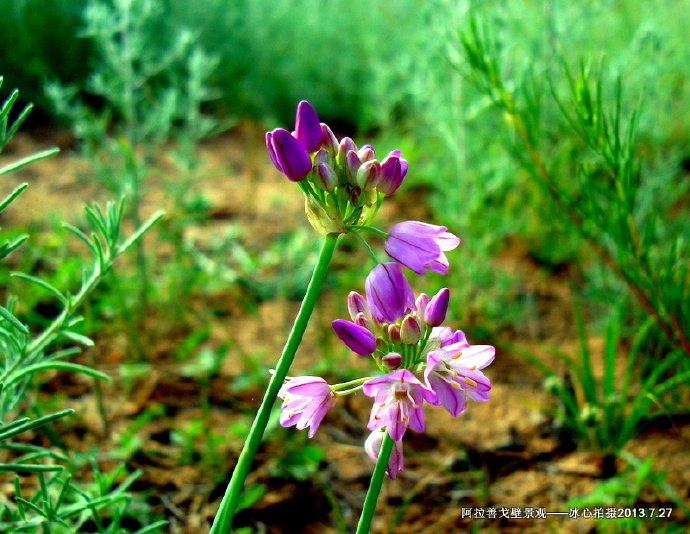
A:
{"points": [[343, 185], [372, 446], [453, 373], [398, 402], [356, 337], [420, 246], [389, 294], [306, 399]]}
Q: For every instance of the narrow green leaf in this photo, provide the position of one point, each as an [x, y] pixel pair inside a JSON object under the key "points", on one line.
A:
{"points": [[42, 283], [10, 318], [8, 247], [81, 235], [29, 159], [78, 338], [150, 528], [14, 194], [14, 429], [63, 366], [140, 232]]}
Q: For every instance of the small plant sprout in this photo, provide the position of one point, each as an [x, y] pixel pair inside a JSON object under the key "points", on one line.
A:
{"points": [[344, 187]]}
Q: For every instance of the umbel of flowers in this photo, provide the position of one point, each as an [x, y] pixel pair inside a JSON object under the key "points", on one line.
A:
{"points": [[422, 363], [343, 185]]}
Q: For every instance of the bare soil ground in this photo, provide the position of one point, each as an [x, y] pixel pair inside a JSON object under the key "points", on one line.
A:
{"points": [[501, 454]]}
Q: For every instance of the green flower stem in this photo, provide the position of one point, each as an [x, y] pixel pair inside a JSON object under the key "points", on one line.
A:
{"points": [[375, 486], [222, 523]]}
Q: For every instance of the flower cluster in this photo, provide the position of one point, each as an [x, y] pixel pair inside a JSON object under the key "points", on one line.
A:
{"points": [[420, 360], [343, 185]]}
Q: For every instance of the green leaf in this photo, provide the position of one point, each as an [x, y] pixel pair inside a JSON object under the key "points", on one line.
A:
{"points": [[10, 318], [28, 159], [42, 283], [28, 468], [14, 428], [63, 366], [14, 194]]}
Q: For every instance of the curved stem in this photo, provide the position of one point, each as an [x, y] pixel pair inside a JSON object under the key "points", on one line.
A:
{"points": [[222, 523], [375, 486]]}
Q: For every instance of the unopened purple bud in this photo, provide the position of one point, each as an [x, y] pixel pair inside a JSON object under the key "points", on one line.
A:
{"points": [[368, 175], [392, 361], [356, 337], [435, 312], [329, 140], [410, 329], [364, 319], [322, 156], [393, 333], [354, 196], [352, 165], [308, 127], [356, 303], [346, 144], [288, 154], [325, 177], [391, 175], [366, 153], [388, 292]]}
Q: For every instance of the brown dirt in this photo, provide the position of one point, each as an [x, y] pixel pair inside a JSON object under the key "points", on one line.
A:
{"points": [[503, 453]]}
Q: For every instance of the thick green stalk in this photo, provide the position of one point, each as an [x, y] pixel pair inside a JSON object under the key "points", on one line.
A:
{"points": [[375, 486], [223, 521]]}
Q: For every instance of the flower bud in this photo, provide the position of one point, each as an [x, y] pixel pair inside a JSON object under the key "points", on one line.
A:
{"points": [[435, 312], [356, 337], [366, 153], [421, 303], [410, 329], [322, 156], [364, 319], [356, 303], [328, 140], [392, 361], [368, 175], [346, 144], [393, 332], [308, 127], [288, 154], [352, 165], [391, 174], [325, 177]]}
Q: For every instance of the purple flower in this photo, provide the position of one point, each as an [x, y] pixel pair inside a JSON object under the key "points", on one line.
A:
{"points": [[307, 127], [356, 337], [306, 399], [372, 446], [398, 402], [419, 246], [452, 372], [288, 154], [446, 336], [393, 170], [435, 310], [388, 293]]}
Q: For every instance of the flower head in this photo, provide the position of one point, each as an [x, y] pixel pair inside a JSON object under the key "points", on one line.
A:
{"points": [[389, 294], [398, 398], [453, 373], [372, 446], [419, 246], [306, 399]]}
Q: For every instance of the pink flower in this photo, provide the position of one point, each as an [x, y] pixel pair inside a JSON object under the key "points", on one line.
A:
{"points": [[306, 399], [419, 246], [452, 372], [372, 446], [398, 402]]}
